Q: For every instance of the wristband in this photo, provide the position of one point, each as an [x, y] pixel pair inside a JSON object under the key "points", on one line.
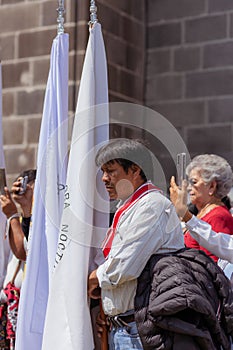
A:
{"points": [[15, 215]]}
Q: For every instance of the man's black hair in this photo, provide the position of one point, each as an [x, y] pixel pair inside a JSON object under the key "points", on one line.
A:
{"points": [[126, 152]]}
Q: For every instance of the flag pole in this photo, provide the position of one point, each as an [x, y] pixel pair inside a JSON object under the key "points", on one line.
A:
{"points": [[104, 336], [60, 18], [93, 13]]}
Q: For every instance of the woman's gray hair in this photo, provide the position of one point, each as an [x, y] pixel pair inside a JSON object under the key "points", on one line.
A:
{"points": [[213, 167]]}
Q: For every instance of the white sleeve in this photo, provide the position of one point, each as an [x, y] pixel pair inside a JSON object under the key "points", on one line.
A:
{"points": [[220, 244], [135, 241]]}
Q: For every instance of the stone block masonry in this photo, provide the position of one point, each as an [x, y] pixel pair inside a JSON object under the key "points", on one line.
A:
{"points": [[27, 29], [189, 70], [174, 56]]}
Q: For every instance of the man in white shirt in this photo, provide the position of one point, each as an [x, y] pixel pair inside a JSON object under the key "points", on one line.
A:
{"points": [[144, 224]]}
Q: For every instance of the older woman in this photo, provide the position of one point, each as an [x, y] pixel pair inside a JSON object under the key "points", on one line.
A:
{"points": [[210, 179]]}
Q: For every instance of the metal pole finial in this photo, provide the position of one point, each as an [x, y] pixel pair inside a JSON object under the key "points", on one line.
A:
{"points": [[93, 13], [60, 19]]}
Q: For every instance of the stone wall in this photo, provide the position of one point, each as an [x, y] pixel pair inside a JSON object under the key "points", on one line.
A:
{"points": [[174, 56], [27, 28], [124, 35], [190, 70], [124, 31]]}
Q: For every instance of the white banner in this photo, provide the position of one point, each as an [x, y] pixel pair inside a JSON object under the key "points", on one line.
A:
{"points": [[48, 201], [85, 215]]}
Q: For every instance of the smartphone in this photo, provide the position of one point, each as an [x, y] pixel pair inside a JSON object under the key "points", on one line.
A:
{"points": [[23, 185], [181, 166], [2, 180]]}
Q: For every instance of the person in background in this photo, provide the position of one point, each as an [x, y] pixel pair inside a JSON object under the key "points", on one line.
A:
{"points": [[17, 232], [220, 244], [210, 180], [17, 225]]}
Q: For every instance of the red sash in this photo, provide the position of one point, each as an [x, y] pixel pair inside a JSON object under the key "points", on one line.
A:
{"points": [[139, 193]]}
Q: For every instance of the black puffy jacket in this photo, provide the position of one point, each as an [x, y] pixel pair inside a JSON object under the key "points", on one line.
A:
{"points": [[184, 293]]}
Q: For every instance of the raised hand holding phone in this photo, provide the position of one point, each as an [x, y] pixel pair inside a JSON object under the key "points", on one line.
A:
{"points": [[23, 185]]}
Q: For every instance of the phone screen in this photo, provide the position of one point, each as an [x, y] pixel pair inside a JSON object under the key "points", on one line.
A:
{"points": [[23, 185], [2, 180], [181, 166]]}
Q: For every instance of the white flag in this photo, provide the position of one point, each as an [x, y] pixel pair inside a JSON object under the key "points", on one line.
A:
{"points": [[4, 243], [68, 324], [48, 200]]}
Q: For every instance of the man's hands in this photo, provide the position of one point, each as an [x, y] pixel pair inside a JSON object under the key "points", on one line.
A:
{"points": [[94, 290], [102, 325], [179, 199]]}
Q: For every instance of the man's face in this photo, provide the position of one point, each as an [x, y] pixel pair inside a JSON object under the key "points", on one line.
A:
{"points": [[118, 183]]}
